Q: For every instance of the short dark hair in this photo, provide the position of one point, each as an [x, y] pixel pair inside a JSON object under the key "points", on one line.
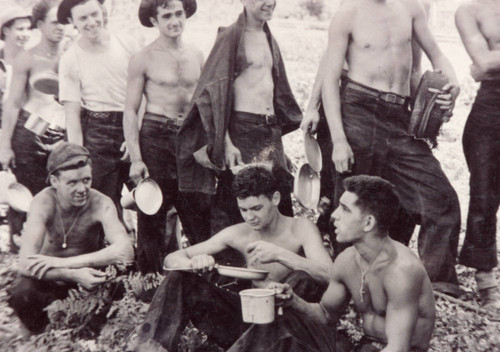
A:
{"points": [[40, 10], [375, 196], [254, 181], [78, 165]]}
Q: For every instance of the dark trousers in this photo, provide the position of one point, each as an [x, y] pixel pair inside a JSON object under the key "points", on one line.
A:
{"points": [[376, 132], [214, 310], [31, 153], [29, 297], [481, 142], [157, 142], [103, 137]]}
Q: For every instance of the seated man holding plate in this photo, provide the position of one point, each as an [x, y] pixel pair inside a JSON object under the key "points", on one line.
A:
{"points": [[286, 249]]}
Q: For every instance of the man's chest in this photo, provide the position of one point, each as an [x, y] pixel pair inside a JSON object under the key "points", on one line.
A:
{"points": [[257, 51], [489, 24], [368, 292], [169, 69]]}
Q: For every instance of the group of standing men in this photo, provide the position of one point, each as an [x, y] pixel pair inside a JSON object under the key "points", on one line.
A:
{"points": [[203, 120]]}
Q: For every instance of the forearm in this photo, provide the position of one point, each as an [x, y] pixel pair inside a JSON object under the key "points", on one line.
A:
{"points": [[318, 82], [54, 274], [311, 311], [178, 259], [117, 253], [292, 261], [444, 65], [331, 103], [9, 121], [74, 127], [131, 130]]}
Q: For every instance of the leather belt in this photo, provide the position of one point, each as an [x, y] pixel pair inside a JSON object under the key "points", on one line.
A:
{"points": [[392, 98], [151, 116], [258, 119], [104, 116]]}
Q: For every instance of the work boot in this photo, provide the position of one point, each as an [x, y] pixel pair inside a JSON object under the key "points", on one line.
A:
{"points": [[488, 292]]}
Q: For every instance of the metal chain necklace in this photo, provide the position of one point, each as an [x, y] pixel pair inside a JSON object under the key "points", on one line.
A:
{"points": [[66, 234], [362, 290]]}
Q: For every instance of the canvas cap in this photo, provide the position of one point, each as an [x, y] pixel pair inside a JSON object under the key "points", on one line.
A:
{"points": [[64, 9], [64, 155], [12, 12], [146, 10]]}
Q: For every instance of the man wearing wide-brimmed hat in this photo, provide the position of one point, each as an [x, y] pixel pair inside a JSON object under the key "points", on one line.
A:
{"points": [[62, 247], [166, 72], [15, 31], [92, 84]]}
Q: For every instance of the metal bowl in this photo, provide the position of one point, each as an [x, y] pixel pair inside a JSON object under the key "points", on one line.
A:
{"points": [[46, 82], [307, 186], [313, 152], [241, 273], [19, 197]]}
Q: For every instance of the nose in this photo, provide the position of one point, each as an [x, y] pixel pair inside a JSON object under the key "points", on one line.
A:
{"points": [[335, 214]]}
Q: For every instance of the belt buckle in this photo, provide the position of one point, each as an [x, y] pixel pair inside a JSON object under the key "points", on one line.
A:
{"points": [[269, 119], [391, 98]]}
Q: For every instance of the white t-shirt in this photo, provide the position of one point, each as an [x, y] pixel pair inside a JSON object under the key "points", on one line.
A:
{"points": [[97, 80]]}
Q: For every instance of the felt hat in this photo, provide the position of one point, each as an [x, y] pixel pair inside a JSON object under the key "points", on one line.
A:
{"points": [[65, 155], [147, 10], [64, 9], [12, 12]]}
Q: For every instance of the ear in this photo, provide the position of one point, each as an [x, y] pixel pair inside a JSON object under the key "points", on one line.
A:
{"points": [[369, 223], [54, 181], [39, 23], [276, 198]]}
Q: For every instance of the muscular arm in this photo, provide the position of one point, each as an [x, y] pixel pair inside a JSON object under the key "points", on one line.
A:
{"points": [[72, 112], [338, 39], [17, 95], [332, 303], [183, 257], [429, 45], [311, 118], [135, 88], [403, 288], [416, 51], [486, 61]]}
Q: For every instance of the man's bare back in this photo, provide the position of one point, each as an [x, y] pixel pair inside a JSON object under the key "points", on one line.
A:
{"points": [[254, 87], [487, 15], [378, 280], [379, 53], [170, 78]]}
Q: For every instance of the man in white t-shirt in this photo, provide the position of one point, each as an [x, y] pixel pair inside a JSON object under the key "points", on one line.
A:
{"points": [[92, 84]]}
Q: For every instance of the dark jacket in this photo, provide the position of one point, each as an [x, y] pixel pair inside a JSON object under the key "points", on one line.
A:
{"points": [[200, 141]]}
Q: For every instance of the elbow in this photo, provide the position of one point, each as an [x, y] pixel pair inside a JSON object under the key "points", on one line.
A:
{"points": [[125, 254]]}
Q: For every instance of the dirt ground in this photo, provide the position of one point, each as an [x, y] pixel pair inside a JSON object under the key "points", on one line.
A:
{"points": [[302, 42]]}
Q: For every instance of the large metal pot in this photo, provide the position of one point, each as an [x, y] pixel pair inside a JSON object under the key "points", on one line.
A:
{"points": [[307, 186]]}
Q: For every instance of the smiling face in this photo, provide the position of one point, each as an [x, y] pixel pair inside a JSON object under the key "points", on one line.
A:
{"points": [[259, 10], [73, 186], [350, 221], [170, 20], [50, 27], [19, 32], [88, 19], [258, 212]]}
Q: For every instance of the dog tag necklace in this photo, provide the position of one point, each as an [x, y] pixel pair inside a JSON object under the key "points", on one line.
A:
{"points": [[362, 290], [66, 234]]}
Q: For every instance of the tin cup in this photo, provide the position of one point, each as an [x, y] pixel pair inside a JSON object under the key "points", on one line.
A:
{"points": [[257, 305]]}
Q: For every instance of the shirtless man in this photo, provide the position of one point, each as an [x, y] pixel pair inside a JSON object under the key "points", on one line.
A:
{"points": [[368, 120], [22, 149], [15, 31], [92, 85], [242, 106], [166, 72], [290, 249], [61, 244], [478, 25], [388, 283]]}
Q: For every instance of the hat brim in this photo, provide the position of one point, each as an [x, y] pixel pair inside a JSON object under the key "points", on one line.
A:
{"points": [[145, 10], [64, 10]]}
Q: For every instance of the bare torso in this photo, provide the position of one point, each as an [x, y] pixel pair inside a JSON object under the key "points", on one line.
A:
{"points": [[44, 105], [285, 238], [379, 53], [374, 304], [488, 17], [254, 87], [170, 78], [85, 235]]}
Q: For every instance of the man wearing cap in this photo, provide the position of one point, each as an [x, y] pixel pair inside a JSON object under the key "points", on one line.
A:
{"points": [[62, 246], [242, 106], [92, 84], [166, 72], [15, 31]]}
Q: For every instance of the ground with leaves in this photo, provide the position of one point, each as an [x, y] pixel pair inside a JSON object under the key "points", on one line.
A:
{"points": [[78, 321]]}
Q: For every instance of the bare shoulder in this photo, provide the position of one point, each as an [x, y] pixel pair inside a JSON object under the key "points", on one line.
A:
{"points": [[44, 201], [235, 235], [139, 59], [101, 204], [302, 227], [468, 8], [405, 266], [24, 61], [343, 263]]}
